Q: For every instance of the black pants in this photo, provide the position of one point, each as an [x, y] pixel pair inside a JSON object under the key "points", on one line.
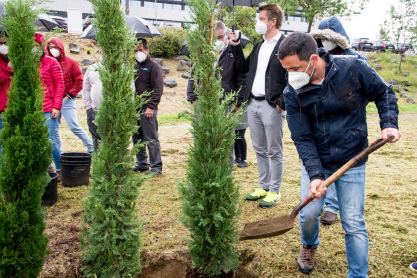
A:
{"points": [[240, 145], [91, 115], [148, 132]]}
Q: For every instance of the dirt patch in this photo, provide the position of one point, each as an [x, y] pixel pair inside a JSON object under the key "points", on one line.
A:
{"points": [[177, 265]]}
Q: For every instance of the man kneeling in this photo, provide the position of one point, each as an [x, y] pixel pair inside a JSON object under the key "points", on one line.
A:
{"points": [[326, 112]]}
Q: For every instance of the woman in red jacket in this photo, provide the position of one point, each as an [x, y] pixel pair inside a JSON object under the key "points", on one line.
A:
{"points": [[53, 83]]}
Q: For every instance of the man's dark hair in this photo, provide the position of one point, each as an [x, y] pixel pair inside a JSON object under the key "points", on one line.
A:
{"points": [[144, 42], [301, 44]]}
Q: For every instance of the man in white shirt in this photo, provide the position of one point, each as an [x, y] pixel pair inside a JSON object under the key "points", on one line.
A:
{"points": [[92, 96], [264, 92]]}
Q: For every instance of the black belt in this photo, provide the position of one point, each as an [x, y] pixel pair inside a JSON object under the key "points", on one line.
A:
{"points": [[258, 98]]}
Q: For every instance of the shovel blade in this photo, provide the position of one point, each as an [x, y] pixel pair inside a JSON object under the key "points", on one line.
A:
{"points": [[267, 228]]}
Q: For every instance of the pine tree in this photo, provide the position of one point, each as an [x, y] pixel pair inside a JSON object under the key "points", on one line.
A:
{"points": [[210, 194], [111, 231], [26, 151]]}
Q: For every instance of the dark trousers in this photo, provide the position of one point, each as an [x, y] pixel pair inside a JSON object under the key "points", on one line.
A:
{"points": [[240, 144], [91, 115], [148, 133]]}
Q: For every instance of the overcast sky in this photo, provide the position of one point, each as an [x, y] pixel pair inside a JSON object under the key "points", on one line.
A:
{"points": [[366, 25]]}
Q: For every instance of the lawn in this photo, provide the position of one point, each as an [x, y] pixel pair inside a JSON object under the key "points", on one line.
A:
{"points": [[390, 210]]}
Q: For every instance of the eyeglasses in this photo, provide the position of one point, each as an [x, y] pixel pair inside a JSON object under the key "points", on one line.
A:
{"points": [[220, 37]]}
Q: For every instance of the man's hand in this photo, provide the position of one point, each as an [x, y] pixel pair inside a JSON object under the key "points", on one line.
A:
{"points": [[55, 113], [236, 108], [313, 189], [391, 131], [149, 113], [233, 36], [67, 97], [9, 64], [279, 109]]}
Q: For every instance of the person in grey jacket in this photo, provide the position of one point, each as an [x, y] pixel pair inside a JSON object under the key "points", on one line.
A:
{"points": [[332, 36], [92, 96]]}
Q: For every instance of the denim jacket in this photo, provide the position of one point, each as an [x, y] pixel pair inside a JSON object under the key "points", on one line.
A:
{"points": [[328, 121]]}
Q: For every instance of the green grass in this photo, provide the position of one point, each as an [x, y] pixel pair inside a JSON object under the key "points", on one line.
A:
{"points": [[173, 119], [390, 70]]}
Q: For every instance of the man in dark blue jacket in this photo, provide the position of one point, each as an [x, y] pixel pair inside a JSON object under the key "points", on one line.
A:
{"points": [[326, 111], [332, 36]]}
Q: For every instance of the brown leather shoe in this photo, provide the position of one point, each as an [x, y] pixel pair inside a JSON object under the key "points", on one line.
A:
{"points": [[59, 178], [328, 218]]}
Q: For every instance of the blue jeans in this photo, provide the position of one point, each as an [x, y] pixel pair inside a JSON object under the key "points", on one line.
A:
{"points": [[56, 150], [331, 202], [350, 190], [69, 111]]}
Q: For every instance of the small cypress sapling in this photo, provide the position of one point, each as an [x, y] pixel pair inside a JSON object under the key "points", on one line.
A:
{"points": [[210, 195], [26, 149], [111, 226]]}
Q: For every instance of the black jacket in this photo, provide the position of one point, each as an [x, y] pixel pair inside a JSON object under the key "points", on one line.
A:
{"points": [[275, 75], [149, 78], [232, 79]]}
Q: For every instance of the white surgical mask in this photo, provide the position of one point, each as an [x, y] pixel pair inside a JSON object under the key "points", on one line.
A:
{"points": [[4, 49], [299, 79], [328, 45], [140, 56], [219, 46], [261, 27], [37, 52], [55, 52]]}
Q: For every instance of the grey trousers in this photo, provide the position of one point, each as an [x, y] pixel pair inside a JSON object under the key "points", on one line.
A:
{"points": [[148, 132], [265, 124], [91, 116]]}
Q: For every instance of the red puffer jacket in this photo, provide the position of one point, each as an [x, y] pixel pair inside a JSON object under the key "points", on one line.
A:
{"points": [[73, 77], [5, 75], [53, 83]]}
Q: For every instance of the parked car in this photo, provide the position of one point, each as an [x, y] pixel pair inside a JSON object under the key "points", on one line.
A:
{"points": [[87, 20], [362, 44], [62, 22], [379, 46], [389, 46]]}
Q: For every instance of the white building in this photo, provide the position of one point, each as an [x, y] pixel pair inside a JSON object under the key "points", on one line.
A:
{"points": [[162, 11]]}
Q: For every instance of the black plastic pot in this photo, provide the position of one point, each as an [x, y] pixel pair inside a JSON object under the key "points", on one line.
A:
{"points": [[50, 196], [75, 169]]}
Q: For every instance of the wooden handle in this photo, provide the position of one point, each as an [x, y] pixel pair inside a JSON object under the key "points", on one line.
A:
{"points": [[364, 153]]}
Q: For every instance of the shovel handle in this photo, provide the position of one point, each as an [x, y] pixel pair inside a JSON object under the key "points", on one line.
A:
{"points": [[364, 153]]}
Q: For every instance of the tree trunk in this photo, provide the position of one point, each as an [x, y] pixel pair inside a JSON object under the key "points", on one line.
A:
{"points": [[401, 60], [310, 23], [127, 7]]}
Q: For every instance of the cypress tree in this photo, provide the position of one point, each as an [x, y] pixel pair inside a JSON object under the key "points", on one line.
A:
{"points": [[26, 151], [111, 231], [209, 194]]}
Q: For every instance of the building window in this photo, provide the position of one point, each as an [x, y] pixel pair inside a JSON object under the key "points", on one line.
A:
{"points": [[176, 7]]}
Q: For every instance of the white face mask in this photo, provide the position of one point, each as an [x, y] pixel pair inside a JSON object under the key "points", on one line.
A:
{"points": [[299, 79], [55, 52], [328, 45], [261, 27], [140, 56], [219, 46], [4, 49]]}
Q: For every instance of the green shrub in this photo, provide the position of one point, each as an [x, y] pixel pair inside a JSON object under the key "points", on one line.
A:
{"points": [[111, 234], [27, 151], [167, 45]]}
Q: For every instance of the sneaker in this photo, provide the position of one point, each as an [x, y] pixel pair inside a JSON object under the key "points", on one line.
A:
{"points": [[59, 178], [237, 161], [271, 199], [328, 218], [153, 171], [413, 266], [305, 260], [140, 169], [242, 164], [259, 193]]}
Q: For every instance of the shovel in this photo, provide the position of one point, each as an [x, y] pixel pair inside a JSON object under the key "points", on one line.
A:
{"points": [[282, 224]]}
